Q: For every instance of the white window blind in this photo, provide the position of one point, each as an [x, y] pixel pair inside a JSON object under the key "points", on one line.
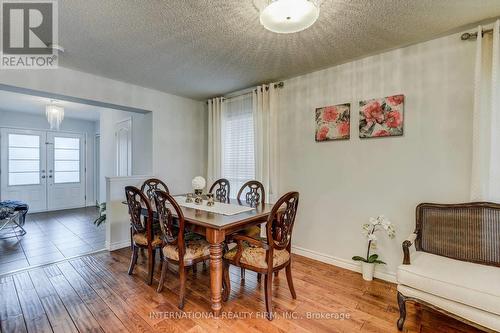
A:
{"points": [[238, 158]]}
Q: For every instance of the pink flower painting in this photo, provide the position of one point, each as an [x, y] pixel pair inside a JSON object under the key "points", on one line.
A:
{"points": [[381, 117], [333, 122]]}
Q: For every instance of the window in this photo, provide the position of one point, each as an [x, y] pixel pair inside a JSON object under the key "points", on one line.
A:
{"points": [[24, 159], [238, 159], [66, 160]]}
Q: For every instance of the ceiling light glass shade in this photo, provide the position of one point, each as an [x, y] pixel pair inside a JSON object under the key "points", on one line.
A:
{"points": [[288, 16], [55, 116]]}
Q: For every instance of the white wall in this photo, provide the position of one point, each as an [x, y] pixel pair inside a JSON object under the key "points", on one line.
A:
{"points": [[142, 144], [179, 124], [17, 119], [343, 183]]}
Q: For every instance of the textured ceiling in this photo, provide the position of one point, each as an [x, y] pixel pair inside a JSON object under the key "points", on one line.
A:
{"points": [[202, 48]]}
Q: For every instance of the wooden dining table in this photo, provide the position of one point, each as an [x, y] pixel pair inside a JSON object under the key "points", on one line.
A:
{"points": [[215, 227]]}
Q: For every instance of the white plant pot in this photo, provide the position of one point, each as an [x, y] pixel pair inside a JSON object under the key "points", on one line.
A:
{"points": [[368, 270]]}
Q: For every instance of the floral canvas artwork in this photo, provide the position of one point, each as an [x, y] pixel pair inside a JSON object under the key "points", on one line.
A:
{"points": [[381, 117], [333, 122]]}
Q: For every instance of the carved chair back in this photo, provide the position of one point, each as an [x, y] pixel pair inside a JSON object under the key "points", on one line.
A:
{"points": [[281, 220], [171, 234], [222, 191], [137, 201], [255, 193], [468, 232], [150, 186]]}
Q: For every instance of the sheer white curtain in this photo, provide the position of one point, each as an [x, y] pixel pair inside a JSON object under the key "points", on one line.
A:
{"points": [[485, 180], [215, 110], [238, 142], [265, 114]]}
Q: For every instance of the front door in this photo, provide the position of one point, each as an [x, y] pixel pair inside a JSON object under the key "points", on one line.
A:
{"points": [[44, 169], [23, 167], [66, 171]]}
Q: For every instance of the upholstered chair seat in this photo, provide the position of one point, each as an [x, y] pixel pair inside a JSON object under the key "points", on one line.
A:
{"points": [[195, 249], [256, 256], [268, 255], [253, 194], [142, 233], [253, 232], [142, 240], [182, 248]]}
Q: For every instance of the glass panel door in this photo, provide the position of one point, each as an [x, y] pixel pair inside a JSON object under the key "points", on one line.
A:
{"points": [[23, 160], [66, 171], [66, 160]]}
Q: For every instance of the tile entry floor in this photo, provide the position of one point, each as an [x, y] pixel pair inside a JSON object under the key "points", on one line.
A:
{"points": [[52, 236]]}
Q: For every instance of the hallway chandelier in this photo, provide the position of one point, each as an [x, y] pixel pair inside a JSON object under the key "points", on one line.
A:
{"points": [[55, 115], [288, 16]]}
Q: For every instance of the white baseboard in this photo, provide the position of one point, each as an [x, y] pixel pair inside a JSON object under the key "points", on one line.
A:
{"points": [[343, 263], [118, 245]]}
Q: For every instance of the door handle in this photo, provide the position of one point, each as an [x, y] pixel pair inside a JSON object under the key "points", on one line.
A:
{"points": [[43, 177], [50, 176]]}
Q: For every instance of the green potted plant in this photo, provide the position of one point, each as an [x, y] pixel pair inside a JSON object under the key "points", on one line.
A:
{"points": [[369, 229], [102, 215]]}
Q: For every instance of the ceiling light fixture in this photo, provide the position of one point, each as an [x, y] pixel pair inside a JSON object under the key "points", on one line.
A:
{"points": [[288, 16], [55, 115]]}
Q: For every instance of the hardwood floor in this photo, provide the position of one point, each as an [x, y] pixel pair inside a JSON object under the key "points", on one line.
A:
{"points": [[94, 294]]}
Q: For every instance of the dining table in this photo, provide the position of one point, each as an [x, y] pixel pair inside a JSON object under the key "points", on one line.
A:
{"points": [[216, 227]]}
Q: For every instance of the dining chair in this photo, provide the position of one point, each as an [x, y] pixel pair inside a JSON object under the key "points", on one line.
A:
{"points": [[151, 185], [254, 194], [266, 255], [222, 191], [143, 236], [175, 248]]}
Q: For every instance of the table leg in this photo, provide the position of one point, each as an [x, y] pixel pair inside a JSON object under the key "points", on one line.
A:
{"points": [[215, 238]]}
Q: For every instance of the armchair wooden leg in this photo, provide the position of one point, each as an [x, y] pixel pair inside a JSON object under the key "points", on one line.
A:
{"points": [[226, 283], [131, 239], [195, 268], [162, 258], [242, 270], [402, 310], [133, 259], [268, 286], [151, 265], [290, 281], [259, 277], [182, 287], [164, 269]]}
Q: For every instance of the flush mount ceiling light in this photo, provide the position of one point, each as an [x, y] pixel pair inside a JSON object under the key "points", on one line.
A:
{"points": [[288, 16], [55, 115]]}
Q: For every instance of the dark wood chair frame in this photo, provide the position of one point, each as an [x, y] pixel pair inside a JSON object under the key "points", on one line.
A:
{"points": [[141, 223], [279, 227], [173, 234], [223, 191], [452, 235], [150, 186], [252, 197], [256, 195]]}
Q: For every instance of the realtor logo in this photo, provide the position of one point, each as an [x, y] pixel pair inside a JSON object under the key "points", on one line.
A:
{"points": [[29, 34]]}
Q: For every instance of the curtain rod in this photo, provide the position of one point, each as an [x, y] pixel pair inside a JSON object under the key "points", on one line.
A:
{"points": [[280, 84], [473, 35]]}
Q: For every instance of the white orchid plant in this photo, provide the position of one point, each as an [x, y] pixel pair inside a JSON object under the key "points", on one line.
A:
{"points": [[369, 230]]}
